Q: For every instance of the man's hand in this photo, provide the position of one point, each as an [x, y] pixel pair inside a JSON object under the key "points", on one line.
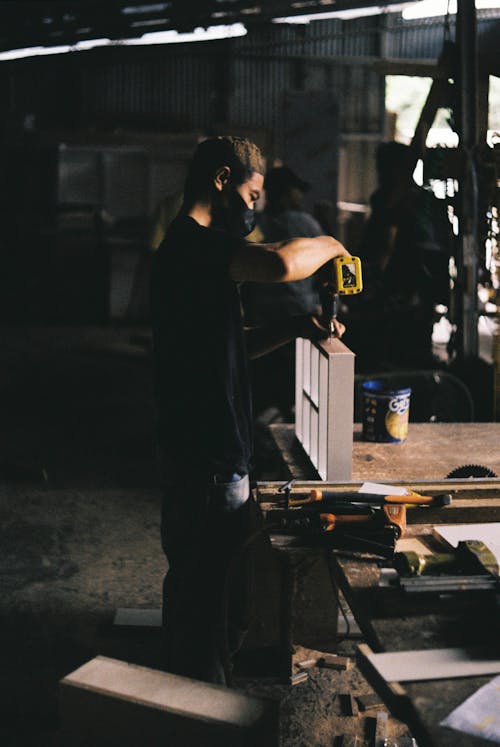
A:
{"points": [[313, 328], [263, 340]]}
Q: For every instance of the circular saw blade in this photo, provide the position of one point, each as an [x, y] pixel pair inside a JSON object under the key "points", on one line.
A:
{"points": [[470, 470]]}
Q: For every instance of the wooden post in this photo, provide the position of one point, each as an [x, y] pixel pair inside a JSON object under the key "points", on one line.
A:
{"points": [[467, 206], [496, 364], [324, 406]]}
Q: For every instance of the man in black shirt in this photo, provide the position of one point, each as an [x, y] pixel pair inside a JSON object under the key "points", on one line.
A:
{"points": [[203, 396]]}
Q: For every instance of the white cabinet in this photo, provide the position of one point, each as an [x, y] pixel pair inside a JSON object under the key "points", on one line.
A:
{"points": [[324, 406]]}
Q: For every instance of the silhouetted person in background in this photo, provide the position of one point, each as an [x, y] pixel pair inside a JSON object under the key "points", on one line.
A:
{"points": [[404, 252], [283, 218]]}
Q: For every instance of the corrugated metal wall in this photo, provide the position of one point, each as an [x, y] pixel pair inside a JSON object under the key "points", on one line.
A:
{"points": [[423, 38], [182, 81], [296, 58], [178, 84], [237, 84]]}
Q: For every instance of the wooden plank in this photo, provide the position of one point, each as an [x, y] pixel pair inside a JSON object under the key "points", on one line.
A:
{"points": [[423, 705], [323, 420], [299, 344], [416, 68], [340, 408], [129, 617], [391, 691], [489, 533], [110, 703], [434, 664]]}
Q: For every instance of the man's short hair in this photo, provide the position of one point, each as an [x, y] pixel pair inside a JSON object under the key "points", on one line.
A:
{"points": [[241, 155]]}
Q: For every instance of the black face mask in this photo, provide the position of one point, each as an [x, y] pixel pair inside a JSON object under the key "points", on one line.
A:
{"points": [[236, 218]]}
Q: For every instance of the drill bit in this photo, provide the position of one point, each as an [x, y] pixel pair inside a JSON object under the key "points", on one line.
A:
{"points": [[333, 315]]}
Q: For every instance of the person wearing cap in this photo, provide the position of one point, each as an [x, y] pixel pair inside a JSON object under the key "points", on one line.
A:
{"points": [[284, 215], [282, 218], [204, 412]]}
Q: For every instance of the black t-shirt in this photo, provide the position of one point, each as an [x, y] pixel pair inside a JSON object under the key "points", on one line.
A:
{"points": [[200, 361]]}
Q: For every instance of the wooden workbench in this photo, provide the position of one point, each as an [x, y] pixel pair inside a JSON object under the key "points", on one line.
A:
{"points": [[390, 626], [431, 451], [389, 623]]}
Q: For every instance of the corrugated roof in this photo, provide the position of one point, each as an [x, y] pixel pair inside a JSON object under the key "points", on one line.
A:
{"points": [[29, 24]]}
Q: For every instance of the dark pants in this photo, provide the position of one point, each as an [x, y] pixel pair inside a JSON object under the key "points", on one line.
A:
{"points": [[202, 540]]}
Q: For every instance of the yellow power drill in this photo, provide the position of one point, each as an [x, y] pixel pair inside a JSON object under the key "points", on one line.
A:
{"points": [[347, 280]]}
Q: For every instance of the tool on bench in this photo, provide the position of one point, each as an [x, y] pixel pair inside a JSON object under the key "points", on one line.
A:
{"points": [[470, 470], [320, 516], [331, 497], [364, 522], [347, 280], [471, 555], [472, 567], [372, 531]]}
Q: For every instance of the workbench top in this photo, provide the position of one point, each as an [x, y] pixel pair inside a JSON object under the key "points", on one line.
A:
{"points": [[431, 452]]}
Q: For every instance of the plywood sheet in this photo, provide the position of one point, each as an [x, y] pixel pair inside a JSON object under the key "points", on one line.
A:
{"points": [[434, 664]]}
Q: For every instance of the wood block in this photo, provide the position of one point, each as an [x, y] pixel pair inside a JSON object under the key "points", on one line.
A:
{"points": [[307, 663], [376, 729], [348, 704], [331, 661], [298, 677], [348, 740], [129, 617], [109, 703], [367, 702]]}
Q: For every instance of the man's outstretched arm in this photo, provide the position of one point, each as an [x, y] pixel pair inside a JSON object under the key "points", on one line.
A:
{"points": [[295, 259]]}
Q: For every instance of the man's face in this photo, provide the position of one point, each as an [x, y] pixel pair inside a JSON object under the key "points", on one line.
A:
{"points": [[251, 190], [234, 211]]}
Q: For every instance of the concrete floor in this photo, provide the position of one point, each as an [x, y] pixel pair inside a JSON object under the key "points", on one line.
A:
{"points": [[79, 532]]}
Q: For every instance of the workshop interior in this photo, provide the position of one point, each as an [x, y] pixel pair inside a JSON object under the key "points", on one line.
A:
{"points": [[376, 466]]}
